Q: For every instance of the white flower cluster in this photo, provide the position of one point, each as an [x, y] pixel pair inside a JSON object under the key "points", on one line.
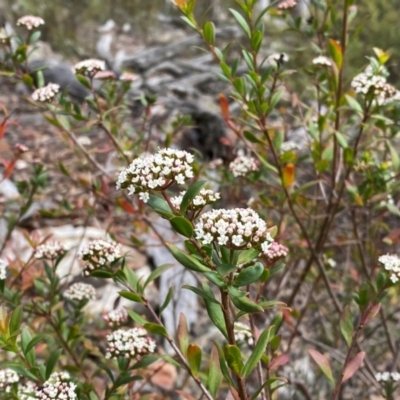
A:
{"points": [[3, 270], [130, 343], [243, 165], [57, 387], [7, 378], [391, 262], [27, 391], [98, 254], [89, 67], [289, 145], [322, 60], [237, 228], [104, 75], [30, 22], [243, 334], [116, 318], [276, 251], [287, 4], [371, 81], [387, 376], [50, 251], [205, 196], [80, 291], [158, 171], [46, 93]]}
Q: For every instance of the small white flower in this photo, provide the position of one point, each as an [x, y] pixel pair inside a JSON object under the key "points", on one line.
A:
{"points": [[322, 60], [287, 4], [47, 93], [3, 270], [30, 22], [57, 387], [391, 263], [130, 343], [243, 165], [98, 254], [243, 334], [27, 391], [116, 318], [84, 141], [89, 67], [80, 291], [276, 251], [7, 378], [50, 251]]}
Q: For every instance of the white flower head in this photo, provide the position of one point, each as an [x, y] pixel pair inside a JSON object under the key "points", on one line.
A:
{"points": [[391, 263], [205, 196], [58, 386], [89, 67], [243, 165], [27, 391], [387, 376], [156, 172], [80, 291], [50, 251], [287, 4], [7, 378], [129, 343], [322, 61], [3, 270], [243, 334], [30, 22], [276, 251], [116, 318], [47, 93], [99, 254], [237, 228]]}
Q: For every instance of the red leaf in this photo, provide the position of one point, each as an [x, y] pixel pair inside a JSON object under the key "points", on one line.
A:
{"points": [[353, 366], [322, 363], [126, 206], [9, 169], [3, 128], [224, 105], [282, 359]]}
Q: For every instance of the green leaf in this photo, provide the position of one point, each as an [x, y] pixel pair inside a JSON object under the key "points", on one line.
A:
{"points": [[215, 278], [131, 277], [323, 364], [241, 21], [160, 206], [156, 273], [223, 366], [170, 360], [145, 362], [214, 373], [251, 137], [214, 310], [394, 156], [209, 32], [194, 358], [83, 80], [354, 104], [186, 260], [267, 383], [248, 255], [182, 334], [52, 361], [136, 317], [346, 325], [15, 321], [130, 296], [190, 194], [336, 52], [155, 329], [33, 343], [341, 140], [167, 300], [182, 226], [258, 352], [249, 275], [201, 293], [225, 269], [245, 304], [233, 358], [35, 36]]}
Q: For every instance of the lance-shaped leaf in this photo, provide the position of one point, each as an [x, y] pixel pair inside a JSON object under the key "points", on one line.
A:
{"points": [[372, 313], [156, 273], [190, 194], [182, 226], [258, 352], [167, 300], [282, 359], [214, 373], [187, 260], [233, 358], [223, 366], [136, 317], [214, 310], [241, 21], [160, 206], [353, 366], [336, 52], [249, 275], [194, 358], [182, 334], [130, 296], [155, 329], [323, 364], [346, 325], [245, 304]]}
